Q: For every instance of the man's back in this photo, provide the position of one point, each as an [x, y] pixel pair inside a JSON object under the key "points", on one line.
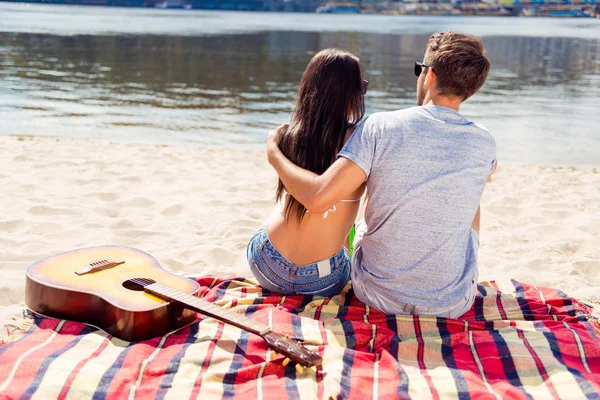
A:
{"points": [[426, 167]]}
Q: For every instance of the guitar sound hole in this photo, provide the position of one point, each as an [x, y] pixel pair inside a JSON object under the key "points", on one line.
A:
{"points": [[137, 284]]}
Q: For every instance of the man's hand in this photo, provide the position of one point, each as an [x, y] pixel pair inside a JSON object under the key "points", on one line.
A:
{"points": [[273, 141], [489, 178]]}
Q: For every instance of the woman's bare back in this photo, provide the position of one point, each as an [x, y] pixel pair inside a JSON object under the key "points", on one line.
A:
{"points": [[319, 235]]}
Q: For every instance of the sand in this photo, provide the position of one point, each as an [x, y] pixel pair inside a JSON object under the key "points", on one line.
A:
{"points": [[195, 209]]}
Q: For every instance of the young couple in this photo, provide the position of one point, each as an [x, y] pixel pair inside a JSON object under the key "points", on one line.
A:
{"points": [[421, 173]]}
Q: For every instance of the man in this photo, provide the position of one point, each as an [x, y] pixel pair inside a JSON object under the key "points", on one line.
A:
{"points": [[426, 169]]}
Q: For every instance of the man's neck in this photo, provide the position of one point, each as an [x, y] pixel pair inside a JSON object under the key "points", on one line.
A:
{"points": [[443, 101]]}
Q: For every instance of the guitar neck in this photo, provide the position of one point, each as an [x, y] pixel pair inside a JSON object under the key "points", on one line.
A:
{"points": [[209, 309]]}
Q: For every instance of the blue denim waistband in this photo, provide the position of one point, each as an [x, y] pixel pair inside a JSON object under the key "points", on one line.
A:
{"points": [[267, 248]]}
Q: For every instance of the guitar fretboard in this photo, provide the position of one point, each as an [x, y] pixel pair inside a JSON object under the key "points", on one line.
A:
{"points": [[204, 307]]}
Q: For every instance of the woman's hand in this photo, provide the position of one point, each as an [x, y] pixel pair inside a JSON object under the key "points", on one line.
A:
{"points": [[275, 134], [273, 141]]}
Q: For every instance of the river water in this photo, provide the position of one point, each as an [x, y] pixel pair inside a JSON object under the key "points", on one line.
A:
{"points": [[205, 78]]}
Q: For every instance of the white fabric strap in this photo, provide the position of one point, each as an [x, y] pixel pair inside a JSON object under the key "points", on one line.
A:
{"points": [[324, 268]]}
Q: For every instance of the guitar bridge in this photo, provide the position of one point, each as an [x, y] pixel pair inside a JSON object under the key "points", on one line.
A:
{"points": [[95, 266]]}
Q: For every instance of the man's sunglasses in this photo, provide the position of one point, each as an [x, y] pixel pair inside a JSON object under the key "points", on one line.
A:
{"points": [[419, 67], [365, 85]]}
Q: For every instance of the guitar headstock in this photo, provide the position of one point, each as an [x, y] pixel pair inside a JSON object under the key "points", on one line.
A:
{"points": [[292, 349]]}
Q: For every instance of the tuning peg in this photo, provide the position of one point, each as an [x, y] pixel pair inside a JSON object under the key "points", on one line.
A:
{"points": [[299, 368], [286, 361], [273, 355]]}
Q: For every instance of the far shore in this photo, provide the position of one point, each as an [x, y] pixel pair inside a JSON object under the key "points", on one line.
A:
{"points": [[477, 9]]}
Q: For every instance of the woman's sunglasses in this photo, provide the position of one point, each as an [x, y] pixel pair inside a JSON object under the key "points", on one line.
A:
{"points": [[419, 67], [365, 85]]}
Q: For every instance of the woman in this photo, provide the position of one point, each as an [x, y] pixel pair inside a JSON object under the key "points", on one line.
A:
{"points": [[300, 252]]}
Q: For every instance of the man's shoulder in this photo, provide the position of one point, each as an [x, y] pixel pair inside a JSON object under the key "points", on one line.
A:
{"points": [[481, 126], [485, 133], [391, 120], [396, 115]]}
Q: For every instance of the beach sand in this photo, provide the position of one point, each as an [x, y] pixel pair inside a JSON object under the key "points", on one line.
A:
{"points": [[195, 209]]}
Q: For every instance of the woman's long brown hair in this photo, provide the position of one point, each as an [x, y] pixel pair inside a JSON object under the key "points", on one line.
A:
{"points": [[328, 103]]}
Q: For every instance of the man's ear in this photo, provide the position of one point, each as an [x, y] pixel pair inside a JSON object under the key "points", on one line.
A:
{"points": [[430, 79]]}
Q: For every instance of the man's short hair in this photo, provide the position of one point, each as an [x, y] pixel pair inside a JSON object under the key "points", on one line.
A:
{"points": [[459, 63]]}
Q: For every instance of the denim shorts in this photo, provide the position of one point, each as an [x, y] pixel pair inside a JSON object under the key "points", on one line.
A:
{"points": [[277, 274]]}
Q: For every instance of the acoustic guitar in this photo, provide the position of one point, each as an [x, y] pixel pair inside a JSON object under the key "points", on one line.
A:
{"points": [[126, 293]]}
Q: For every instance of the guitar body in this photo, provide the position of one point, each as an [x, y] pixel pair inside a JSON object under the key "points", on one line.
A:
{"points": [[96, 285]]}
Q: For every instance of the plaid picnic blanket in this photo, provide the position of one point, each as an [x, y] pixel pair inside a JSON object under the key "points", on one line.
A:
{"points": [[518, 341]]}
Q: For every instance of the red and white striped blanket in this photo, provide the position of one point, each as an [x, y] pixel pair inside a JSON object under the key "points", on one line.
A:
{"points": [[518, 341]]}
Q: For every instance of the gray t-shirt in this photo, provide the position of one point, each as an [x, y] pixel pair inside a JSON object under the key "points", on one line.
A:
{"points": [[427, 168]]}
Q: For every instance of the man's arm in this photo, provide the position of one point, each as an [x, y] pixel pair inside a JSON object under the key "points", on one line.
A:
{"points": [[318, 193], [476, 225]]}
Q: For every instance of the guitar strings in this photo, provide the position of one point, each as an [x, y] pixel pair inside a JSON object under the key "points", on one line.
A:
{"points": [[147, 281], [119, 269], [140, 281]]}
